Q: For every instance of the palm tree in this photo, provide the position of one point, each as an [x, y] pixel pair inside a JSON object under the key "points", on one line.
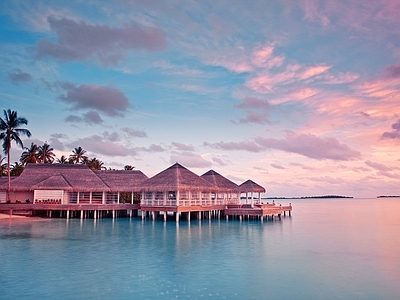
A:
{"points": [[30, 155], [17, 169], [46, 154], [78, 155], [3, 166], [96, 164], [10, 131], [63, 160]]}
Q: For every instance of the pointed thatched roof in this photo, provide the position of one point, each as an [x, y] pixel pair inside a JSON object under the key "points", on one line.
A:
{"points": [[49, 184], [122, 180], [47, 176], [251, 186], [220, 181], [177, 178]]}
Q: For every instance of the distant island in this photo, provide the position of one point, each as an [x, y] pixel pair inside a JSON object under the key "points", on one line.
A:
{"points": [[311, 197], [388, 196]]}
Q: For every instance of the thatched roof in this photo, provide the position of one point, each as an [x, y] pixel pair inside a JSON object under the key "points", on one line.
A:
{"points": [[251, 186], [122, 180], [49, 183], [223, 183], [57, 177], [177, 178]]}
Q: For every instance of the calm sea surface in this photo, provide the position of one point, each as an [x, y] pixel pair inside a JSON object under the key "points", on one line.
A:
{"points": [[328, 249]]}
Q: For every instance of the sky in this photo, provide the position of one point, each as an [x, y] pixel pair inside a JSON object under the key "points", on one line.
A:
{"points": [[302, 97]]}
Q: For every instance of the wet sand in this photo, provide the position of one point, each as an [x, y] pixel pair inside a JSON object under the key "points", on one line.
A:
{"points": [[14, 217]]}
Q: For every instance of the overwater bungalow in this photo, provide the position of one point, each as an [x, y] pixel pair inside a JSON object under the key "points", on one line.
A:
{"points": [[71, 184], [249, 187], [176, 191]]}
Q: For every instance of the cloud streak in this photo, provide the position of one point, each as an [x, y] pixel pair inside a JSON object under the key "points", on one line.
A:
{"points": [[304, 144]]}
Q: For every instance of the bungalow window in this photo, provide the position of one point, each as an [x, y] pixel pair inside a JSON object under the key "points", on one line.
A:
{"points": [[172, 195]]}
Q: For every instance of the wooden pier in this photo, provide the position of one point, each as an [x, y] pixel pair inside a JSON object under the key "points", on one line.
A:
{"points": [[240, 211]]}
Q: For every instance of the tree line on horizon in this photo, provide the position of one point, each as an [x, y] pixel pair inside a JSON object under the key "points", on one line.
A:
{"points": [[10, 130]]}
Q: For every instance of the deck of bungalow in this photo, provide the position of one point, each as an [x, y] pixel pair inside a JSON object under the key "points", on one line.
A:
{"points": [[199, 212]]}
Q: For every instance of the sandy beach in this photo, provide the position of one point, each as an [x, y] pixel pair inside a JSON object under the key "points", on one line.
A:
{"points": [[6, 217]]}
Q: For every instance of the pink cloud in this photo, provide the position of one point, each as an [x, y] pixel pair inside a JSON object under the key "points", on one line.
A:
{"points": [[190, 160], [340, 78], [80, 41], [313, 71], [311, 146]]}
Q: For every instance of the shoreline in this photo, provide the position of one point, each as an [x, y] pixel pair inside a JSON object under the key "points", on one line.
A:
{"points": [[6, 217]]}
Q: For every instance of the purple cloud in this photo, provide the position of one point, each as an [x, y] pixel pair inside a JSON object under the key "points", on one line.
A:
{"points": [[190, 160], [81, 41], [276, 166], [378, 166], [133, 133], [395, 134], [247, 146], [311, 146], [113, 136], [392, 72], [16, 76], [153, 148], [90, 118], [220, 161], [182, 147], [99, 145], [109, 100], [260, 116]]}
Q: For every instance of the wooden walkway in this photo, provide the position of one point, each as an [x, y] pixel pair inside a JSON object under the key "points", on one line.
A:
{"points": [[95, 211]]}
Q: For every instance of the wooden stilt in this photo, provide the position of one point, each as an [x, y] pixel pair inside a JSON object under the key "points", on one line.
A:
{"points": [[67, 215], [177, 217]]}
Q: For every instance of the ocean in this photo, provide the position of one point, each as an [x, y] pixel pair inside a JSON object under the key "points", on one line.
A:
{"points": [[327, 249]]}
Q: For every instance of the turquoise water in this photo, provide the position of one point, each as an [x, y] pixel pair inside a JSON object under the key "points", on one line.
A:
{"points": [[328, 249]]}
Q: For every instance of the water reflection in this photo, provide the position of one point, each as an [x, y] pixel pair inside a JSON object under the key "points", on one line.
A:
{"points": [[327, 249]]}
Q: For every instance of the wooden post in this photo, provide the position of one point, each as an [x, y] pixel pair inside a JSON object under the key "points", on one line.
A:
{"points": [[199, 216], [113, 214], [177, 217], [67, 214], [11, 213], [188, 216]]}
